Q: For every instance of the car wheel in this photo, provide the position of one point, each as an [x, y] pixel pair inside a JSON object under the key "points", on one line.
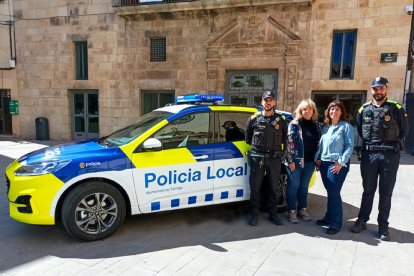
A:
{"points": [[93, 211], [281, 190]]}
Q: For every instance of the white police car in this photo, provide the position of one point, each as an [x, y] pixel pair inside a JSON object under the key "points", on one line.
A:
{"points": [[171, 158]]}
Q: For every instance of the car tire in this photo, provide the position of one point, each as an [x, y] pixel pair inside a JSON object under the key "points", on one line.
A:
{"points": [[93, 211]]}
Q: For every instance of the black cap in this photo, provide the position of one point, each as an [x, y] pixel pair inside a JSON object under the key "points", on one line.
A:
{"points": [[268, 94], [232, 123], [379, 81]]}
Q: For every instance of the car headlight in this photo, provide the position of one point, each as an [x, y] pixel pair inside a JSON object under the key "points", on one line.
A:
{"points": [[41, 168]]}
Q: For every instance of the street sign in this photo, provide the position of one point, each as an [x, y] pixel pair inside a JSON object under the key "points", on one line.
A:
{"points": [[14, 107]]}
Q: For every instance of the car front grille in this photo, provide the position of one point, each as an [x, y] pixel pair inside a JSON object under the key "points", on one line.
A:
{"points": [[8, 184]]}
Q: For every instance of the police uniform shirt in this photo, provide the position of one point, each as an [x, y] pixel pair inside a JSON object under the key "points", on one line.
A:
{"points": [[386, 124], [279, 122]]}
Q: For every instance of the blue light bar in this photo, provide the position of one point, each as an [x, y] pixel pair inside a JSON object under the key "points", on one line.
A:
{"points": [[200, 98]]}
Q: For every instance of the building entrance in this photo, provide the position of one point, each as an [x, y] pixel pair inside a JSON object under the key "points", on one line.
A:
{"points": [[5, 117], [85, 115], [246, 87]]}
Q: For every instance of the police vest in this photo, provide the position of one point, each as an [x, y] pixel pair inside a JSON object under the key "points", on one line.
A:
{"points": [[267, 133], [379, 124]]}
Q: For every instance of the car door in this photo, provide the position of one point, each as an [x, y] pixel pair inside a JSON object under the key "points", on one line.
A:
{"points": [[231, 175], [177, 175]]}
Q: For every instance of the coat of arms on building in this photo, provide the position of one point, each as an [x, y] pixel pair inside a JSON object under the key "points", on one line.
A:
{"points": [[253, 29]]}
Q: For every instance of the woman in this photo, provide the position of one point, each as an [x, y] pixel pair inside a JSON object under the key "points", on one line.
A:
{"points": [[302, 143], [335, 149]]}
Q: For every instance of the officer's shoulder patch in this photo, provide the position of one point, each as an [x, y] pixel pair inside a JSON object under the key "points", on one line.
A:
{"points": [[397, 104], [256, 115], [281, 115], [363, 106]]}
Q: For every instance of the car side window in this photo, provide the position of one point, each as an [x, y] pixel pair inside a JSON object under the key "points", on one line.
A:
{"points": [[185, 131], [232, 126]]}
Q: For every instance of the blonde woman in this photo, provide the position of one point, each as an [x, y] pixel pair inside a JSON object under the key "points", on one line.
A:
{"points": [[304, 133]]}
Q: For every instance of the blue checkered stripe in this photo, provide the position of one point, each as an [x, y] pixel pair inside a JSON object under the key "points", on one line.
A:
{"points": [[177, 202]]}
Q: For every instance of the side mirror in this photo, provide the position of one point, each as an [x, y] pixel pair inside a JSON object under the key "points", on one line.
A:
{"points": [[152, 144]]}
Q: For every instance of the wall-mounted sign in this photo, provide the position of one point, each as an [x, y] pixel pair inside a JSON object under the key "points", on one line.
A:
{"points": [[389, 57], [14, 107]]}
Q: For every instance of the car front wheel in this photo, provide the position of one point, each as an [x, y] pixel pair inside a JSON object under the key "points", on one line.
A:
{"points": [[93, 211]]}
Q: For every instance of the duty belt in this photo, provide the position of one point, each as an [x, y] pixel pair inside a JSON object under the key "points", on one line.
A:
{"points": [[382, 147], [266, 154]]}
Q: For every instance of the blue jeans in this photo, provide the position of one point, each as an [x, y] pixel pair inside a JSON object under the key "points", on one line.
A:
{"points": [[333, 185], [298, 183]]}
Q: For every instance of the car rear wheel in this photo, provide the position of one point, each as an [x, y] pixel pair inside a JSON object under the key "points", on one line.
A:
{"points": [[93, 211]]}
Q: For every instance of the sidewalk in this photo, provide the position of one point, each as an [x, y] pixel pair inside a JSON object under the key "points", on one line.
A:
{"points": [[217, 241]]}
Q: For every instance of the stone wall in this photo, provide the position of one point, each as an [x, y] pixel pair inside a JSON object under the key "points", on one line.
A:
{"points": [[382, 27], [294, 39]]}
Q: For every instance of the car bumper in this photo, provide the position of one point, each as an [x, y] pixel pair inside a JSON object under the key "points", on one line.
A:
{"points": [[31, 197]]}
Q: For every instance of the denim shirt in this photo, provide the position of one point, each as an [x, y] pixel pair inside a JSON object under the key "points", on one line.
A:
{"points": [[336, 143], [294, 146]]}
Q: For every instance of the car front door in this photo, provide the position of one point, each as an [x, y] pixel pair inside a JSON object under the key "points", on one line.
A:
{"points": [[231, 175], [177, 176]]}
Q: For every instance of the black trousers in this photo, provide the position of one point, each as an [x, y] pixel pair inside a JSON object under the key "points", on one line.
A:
{"points": [[259, 167], [383, 165]]}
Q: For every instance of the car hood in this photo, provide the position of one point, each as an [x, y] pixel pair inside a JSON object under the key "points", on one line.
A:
{"points": [[85, 157], [73, 150]]}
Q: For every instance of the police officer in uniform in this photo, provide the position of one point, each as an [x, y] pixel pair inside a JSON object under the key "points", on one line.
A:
{"points": [[382, 124], [266, 132]]}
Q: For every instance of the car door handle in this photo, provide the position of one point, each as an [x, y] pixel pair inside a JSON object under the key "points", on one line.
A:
{"points": [[198, 157]]}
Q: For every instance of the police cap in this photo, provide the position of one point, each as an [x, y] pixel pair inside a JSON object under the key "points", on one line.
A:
{"points": [[379, 81], [268, 94], [230, 123]]}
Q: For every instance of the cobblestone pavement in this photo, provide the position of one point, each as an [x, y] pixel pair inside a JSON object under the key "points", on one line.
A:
{"points": [[217, 241]]}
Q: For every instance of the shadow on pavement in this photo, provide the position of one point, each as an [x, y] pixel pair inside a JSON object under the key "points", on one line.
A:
{"points": [[210, 227]]}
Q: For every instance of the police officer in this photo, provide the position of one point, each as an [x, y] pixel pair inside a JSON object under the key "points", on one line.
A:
{"points": [[266, 132], [382, 124]]}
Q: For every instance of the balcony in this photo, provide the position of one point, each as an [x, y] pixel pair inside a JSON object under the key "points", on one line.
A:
{"points": [[122, 3], [127, 8]]}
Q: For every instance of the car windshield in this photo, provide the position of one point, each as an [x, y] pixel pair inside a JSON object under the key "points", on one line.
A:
{"points": [[129, 133]]}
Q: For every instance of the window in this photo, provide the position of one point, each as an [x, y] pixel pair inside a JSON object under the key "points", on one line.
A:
{"points": [[185, 131], [232, 126], [155, 99], [343, 54], [81, 56], [158, 49]]}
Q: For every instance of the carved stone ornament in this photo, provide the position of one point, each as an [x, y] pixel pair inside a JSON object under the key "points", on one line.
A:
{"points": [[253, 30]]}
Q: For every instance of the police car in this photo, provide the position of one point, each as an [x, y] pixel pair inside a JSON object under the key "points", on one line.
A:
{"points": [[172, 158]]}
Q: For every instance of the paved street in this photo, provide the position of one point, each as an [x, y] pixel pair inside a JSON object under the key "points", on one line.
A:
{"points": [[216, 240]]}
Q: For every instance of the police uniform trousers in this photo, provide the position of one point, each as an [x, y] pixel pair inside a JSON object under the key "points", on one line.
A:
{"points": [[385, 165], [260, 166]]}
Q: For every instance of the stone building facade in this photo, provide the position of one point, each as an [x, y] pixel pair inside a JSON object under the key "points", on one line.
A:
{"points": [[8, 81], [236, 48]]}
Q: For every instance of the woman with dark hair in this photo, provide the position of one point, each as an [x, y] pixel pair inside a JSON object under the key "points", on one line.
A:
{"points": [[335, 149]]}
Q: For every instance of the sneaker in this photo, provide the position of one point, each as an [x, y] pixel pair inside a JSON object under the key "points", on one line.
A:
{"points": [[254, 220], [293, 217], [304, 215], [359, 226], [322, 222], [275, 220], [331, 231], [384, 235]]}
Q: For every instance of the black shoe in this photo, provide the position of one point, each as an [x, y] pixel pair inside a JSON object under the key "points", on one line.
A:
{"points": [[275, 220], [384, 235], [331, 231], [254, 220], [322, 222], [359, 226]]}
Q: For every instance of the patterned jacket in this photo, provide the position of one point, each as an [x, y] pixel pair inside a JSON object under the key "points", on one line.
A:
{"points": [[295, 148]]}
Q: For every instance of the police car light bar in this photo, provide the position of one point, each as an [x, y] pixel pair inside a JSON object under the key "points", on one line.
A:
{"points": [[200, 98]]}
